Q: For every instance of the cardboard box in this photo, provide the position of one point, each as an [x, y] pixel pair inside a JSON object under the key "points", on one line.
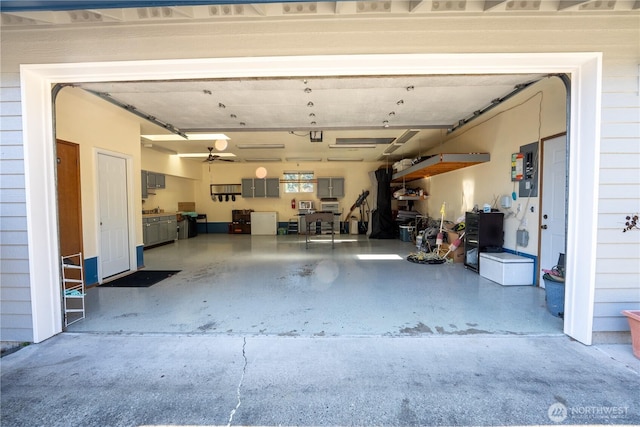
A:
{"points": [[186, 206], [456, 256]]}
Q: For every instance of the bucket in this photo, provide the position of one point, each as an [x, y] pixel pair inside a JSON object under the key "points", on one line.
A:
{"points": [[405, 232], [554, 290], [353, 226]]}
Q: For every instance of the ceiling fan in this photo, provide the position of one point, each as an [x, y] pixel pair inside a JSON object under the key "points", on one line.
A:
{"points": [[213, 157]]}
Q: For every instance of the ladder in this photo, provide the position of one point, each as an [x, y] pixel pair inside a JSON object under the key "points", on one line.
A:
{"points": [[73, 290]]}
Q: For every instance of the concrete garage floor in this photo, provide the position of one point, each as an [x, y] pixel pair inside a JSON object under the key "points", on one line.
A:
{"points": [[261, 331], [273, 285]]}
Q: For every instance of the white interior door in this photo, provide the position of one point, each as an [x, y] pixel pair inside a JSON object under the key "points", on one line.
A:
{"points": [[553, 209], [113, 211]]}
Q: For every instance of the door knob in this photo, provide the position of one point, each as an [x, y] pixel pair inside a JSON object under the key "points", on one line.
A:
{"points": [[543, 226]]}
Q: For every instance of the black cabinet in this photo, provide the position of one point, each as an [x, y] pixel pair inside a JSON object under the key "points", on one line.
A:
{"points": [[483, 233]]}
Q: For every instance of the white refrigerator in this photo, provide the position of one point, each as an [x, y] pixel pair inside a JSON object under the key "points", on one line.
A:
{"points": [[264, 223]]}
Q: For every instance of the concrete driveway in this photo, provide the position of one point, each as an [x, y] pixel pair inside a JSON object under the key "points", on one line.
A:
{"points": [[89, 379]]}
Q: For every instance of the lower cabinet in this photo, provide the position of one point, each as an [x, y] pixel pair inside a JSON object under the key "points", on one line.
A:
{"points": [[159, 229]]}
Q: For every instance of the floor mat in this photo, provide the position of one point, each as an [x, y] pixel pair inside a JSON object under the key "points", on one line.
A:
{"points": [[140, 279]]}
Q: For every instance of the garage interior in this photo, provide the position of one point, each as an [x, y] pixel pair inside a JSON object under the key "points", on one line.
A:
{"points": [[280, 285]]}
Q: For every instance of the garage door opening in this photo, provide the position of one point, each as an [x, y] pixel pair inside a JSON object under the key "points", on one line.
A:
{"points": [[583, 67]]}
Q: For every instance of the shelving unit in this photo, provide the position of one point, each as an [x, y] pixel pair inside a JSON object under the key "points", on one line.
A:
{"points": [[73, 290], [484, 233], [438, 164]]}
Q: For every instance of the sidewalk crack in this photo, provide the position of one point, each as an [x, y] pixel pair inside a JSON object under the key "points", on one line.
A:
{"points": [[244, 370]]}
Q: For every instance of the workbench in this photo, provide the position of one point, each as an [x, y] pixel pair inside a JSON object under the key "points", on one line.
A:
{"points": [[313, 218]]}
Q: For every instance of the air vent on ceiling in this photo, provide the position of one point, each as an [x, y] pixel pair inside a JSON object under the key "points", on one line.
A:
{"points": [[407, 135]]}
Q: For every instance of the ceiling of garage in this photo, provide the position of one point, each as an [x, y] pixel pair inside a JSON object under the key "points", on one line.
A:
{"points": [[355, 118]]}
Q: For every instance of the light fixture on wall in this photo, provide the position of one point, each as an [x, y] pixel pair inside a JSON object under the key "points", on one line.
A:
{"points": [[261, 172], [220, 144]]}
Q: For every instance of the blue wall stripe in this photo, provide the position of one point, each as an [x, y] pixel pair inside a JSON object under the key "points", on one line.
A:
{"points": [[91, 271], [140, 256], [20, 5]]}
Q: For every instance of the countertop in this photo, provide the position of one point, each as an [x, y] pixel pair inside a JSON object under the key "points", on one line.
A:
{"points": [[153, 215]]}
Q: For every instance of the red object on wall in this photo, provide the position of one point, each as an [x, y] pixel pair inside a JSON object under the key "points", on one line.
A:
{"points": [[293, 203]]}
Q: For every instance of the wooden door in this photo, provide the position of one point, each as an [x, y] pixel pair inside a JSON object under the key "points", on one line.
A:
{"points": [[69, 202]]}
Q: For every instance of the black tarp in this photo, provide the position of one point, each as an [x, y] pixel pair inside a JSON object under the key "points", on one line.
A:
{"points": [[382, 224]]}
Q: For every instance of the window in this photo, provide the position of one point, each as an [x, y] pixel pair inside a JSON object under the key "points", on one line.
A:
{"points": [[298, 182]]}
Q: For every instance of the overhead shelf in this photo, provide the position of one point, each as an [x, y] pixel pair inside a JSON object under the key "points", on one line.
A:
{"points": [[440, 163]]}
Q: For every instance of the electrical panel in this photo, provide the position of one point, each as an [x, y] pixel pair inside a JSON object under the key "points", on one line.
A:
{"points": [[529, 183]]}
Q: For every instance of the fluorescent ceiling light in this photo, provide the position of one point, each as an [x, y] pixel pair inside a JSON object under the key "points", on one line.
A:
{"points": [[303, 159], [375, 257], [191, 136], [259, 146], [205, 155], [352, 145], [263, 159], [344, 159]]}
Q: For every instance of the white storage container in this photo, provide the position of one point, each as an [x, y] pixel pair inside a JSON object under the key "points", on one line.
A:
{"points": [[264, 223], [506, 269]]}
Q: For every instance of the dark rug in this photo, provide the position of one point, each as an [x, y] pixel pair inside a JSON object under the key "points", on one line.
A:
{"points": [[140, 279]]}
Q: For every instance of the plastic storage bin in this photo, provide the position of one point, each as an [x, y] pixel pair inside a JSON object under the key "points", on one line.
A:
{"points": [[506, 269]]}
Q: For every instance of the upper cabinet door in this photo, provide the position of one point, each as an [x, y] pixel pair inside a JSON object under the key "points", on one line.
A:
{"points": [[247, 187], [260, 187], [273, 187], [337, 187], [323, 187]]}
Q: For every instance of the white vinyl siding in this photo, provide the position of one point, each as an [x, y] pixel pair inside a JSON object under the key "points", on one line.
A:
{"points": [[618, 253], [616, 35], [15, 294]]}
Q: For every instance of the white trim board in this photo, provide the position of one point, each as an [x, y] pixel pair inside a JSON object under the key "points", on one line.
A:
{"points": [[585, 69]]}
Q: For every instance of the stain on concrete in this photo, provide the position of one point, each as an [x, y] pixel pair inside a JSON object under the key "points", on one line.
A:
{"points": [[319, 334], [305, 271], [451, 325], [406, 415], [125, 315], [440, 330], [293, 333], [472, 324], [420, 328], [207, 326]]}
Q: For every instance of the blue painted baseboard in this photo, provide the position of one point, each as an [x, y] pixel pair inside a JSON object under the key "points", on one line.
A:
{"points": [[140, 256], [91, 271]]}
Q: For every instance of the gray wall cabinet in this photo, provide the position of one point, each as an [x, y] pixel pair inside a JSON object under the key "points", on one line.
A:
{"points": [[330, 187], [256, 187]]}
